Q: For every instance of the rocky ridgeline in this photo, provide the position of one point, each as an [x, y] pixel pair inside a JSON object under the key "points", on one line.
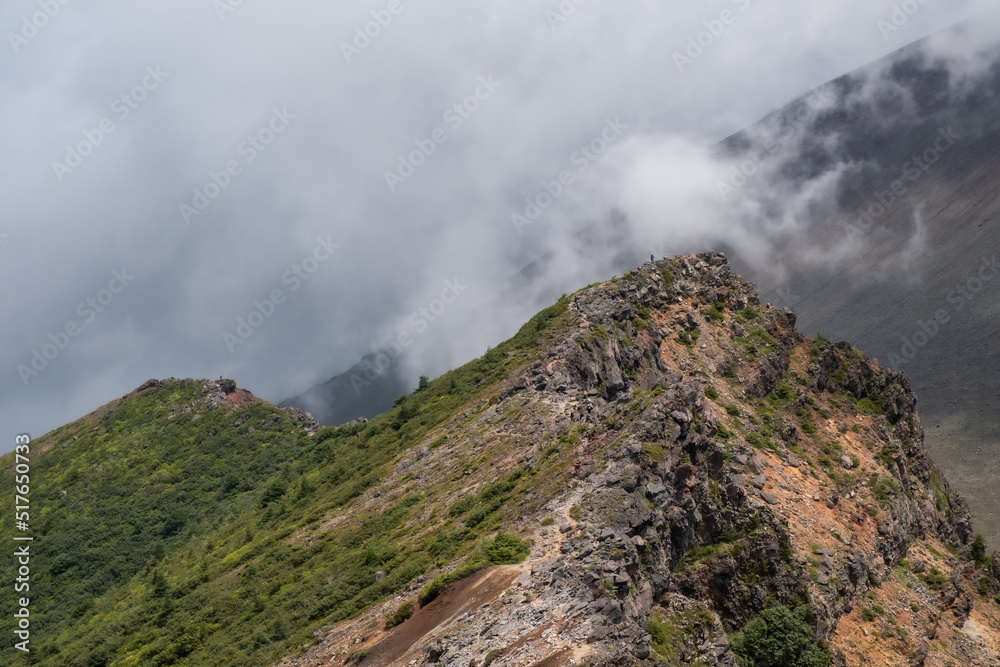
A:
{"points": [[222, 393], [719, 464]]}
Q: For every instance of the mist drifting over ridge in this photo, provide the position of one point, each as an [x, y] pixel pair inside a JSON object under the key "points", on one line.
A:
{"points": [[654, 189]]}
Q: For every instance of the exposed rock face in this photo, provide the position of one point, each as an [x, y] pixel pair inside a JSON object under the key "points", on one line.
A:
{"points": [[716, 464]]}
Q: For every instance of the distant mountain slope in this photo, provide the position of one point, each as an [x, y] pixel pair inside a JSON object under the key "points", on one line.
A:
{"points": [[365, 390], [655, 468], [902, 258]]}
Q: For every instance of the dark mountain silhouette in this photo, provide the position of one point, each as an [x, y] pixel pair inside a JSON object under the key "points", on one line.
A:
{"points": [[901, 258], [363, 391]]}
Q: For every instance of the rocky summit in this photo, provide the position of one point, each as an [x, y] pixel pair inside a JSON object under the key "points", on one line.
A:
{"points": [[658, 469]]}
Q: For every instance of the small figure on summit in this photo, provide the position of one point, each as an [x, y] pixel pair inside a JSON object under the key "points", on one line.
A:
{"points": [[651, 258]]}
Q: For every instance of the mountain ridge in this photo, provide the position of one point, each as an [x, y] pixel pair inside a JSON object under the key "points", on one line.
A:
{"points": [[658, 469]]}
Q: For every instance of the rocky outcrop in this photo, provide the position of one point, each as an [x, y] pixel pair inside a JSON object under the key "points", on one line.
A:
{"points": [[716, 465]]}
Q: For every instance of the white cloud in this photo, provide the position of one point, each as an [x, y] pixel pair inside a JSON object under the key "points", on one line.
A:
{"points": [[325, 174]]}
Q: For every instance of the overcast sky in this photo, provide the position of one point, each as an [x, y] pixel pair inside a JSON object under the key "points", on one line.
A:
{"points": [[174, 163]]}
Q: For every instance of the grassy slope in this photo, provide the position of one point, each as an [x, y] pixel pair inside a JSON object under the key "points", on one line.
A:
{"points": [[177, 552]]}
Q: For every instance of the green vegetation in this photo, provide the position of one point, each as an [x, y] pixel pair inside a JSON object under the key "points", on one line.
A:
{"points": [[817, 345], [402, 613], [869, 614], [655, 451], [779, 637], [688, 338], [883, 488], [711, 392], [940, 497], [668, 278], [664, 636], [885, 457], [178, 537], [760, 441], [756, 343], [641, 318], [506, 548], [716, 313], [783, 393], [867, 406], [488, 501], [978, 552], [934, 579], [669, 633]]}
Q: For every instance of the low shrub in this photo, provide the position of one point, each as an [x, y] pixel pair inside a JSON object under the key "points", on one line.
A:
{"points": [[403, 612], [779, 637]]}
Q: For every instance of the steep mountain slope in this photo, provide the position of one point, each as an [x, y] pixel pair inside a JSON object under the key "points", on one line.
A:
{"points": [[654, 469], [694, 467], [901, 158]]}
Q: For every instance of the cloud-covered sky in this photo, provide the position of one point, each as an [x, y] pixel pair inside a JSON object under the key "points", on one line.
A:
{"points": [[167, 169]]}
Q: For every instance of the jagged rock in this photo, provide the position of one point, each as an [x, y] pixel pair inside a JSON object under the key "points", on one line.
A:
{"points": [[434, 652], [149, 384], [682, 416], [667, 515]]}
